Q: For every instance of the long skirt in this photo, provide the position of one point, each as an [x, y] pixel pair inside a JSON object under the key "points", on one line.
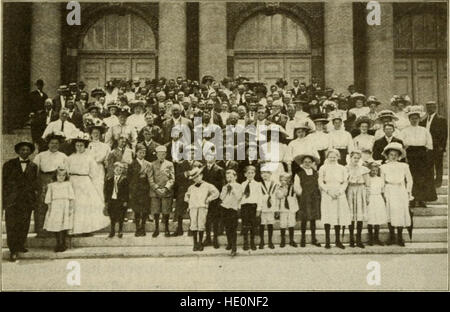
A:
{"points": [[397, 205], [356, 197], [88, 207], [41, 207], [335, 211], [421, 166], [376, 210]]}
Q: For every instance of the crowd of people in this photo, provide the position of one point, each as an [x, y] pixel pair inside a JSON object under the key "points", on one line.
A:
{"points": [[219, 151]]}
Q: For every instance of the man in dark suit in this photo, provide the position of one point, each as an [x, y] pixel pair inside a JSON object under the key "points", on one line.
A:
{"points": [[59, 101], [40, 121], [75, 115], [214, 174], [277, 117], [20, 189], [437, 126], [381, 143], [149, 143], [182, 123], [38, 97]]}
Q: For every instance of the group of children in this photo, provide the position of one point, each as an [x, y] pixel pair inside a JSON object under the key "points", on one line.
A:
{"points": [[337, 195]]}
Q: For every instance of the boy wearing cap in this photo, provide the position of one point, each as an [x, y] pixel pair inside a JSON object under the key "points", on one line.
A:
{"points": [[162, 180], [269, 205], [198, 197], [116, 198]]}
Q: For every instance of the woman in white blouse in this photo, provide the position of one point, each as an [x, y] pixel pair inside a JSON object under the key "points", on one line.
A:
{"points": [[339, 138], [359, 109], [419, 144], [319, 138], [364, 141], [99, 151]]}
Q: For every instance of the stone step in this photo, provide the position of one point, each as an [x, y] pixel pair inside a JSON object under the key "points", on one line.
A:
{"points": [[442, 199], [431, 210], [420, 221], [128, 240], [186, 251]]}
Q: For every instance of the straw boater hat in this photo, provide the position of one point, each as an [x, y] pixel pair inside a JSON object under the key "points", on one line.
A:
{"points": [[358, 96], [386, 113], [302, 125], [363, 119], [299, 158], [195, 172], [396, 147], [372, 99], [415, 110], [20, 144], [81, 137]]}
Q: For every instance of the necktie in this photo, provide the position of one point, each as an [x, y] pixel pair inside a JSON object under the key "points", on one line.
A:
{"points": [[116, 189], [198, 184], [247, 190], [62, 126]]}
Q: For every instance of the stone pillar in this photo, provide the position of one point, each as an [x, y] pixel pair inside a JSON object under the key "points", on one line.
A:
{"points": [[172, 39], [380, 56], [46, 46], [213, 39], [338, 47]]}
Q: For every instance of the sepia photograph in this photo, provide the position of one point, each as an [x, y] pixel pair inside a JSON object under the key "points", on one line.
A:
{"points": [[220, 146]]}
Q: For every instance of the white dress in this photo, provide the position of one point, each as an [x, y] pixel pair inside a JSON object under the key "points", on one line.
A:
{"points": [[88, 205], [364, 142], [99, 151], [333, 180], [376, 209], [59, 215], [396, 191]]}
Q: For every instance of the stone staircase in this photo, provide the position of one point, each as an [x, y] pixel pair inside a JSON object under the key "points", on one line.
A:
{"points": [[429, 236]]}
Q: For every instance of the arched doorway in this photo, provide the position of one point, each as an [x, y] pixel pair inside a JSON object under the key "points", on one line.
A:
{"points": [[420, 68], [117, 46], [270, 47]]}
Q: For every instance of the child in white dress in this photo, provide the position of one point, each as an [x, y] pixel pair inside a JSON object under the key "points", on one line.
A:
{"points": [[59, 217], [334, 210], [398, 186], [376, 207]]}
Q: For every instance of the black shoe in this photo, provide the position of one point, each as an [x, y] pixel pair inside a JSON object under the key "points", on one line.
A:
{"points": [[246, 246], [233, 253], [195, 247], [339, 245], [378, 242], [228, 247], [120, 235], [401, 243], [13, 257], [360, 244], [283, 242], [216, 244], [261, 245], [63, 248], [178, 232], [316, 243], [137, 233], [422, 204], [155, 233], [271, 246], [390, 242], [57, 248], [200, 247], [370, 242], [111, 235], [207, 241], [166, 233], [293, 244], [327, 246], [143, 233], [252, 246], [302, 243]]}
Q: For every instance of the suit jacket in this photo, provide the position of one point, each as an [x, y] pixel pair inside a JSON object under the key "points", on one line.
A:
{"points": [[217, 119], [379, 145], [156, 131], [77, 119], [150, 155], [139, 186], [122, 189], [81, 106], [438, 130], [20, 189], [161, 175], [125, 155], [37, 101], [279, 119], [215, 176], [182, 182], [57, 103], [168, 124]]}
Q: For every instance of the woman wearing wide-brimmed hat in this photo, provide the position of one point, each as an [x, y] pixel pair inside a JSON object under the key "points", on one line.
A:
{"points": [[300, 145], [419, 144], [88, 204], [359, 108], [47, 162], [340, 139], [372, 103], [397, 191], [386, 116], [363, 141], [137, 119], [112, 119], [400, 103], [319, 138]]}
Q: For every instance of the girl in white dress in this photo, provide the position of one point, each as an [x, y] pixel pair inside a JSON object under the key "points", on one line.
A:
{"points": [[356, 196], [99, 151], [376, 207], [88, 204], [363, 141], [59, 217], [334, 209], [397, 191]]}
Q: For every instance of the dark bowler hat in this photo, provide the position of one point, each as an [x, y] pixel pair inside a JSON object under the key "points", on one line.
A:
{"points": [[20, 144], [97, 92], [321, 117]]}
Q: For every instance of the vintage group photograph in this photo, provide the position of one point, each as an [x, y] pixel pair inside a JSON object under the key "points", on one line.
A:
{"points": [[215, 145]]}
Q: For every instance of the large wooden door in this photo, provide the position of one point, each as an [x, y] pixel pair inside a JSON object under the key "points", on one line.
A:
{"points": [[118, 68], [270, 70], [402, 77], [247, 68], [425, 80], [298, 69], [92, 72], [142, 68]]}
